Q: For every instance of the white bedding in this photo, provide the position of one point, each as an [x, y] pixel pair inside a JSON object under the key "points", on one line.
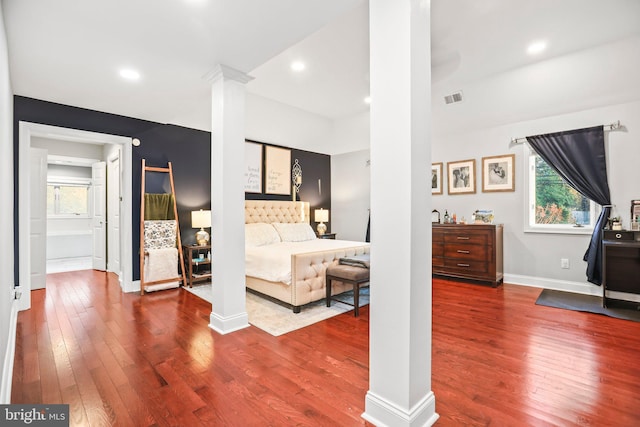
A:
{"points": [[273, 262]]}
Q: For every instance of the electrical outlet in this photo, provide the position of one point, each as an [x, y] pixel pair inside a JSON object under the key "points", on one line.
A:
{"points": [[564, 263]]}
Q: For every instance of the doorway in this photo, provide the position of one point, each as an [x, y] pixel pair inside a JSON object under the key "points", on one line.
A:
{"points": [[71, 206], [27, 239]]}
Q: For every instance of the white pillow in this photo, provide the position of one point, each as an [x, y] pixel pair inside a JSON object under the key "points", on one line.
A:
{"points": [[260, 234], [295, 232]]}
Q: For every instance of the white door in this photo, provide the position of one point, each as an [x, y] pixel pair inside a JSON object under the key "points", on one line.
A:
{"points": [[99, 192], [113, 215], [38, 218]]}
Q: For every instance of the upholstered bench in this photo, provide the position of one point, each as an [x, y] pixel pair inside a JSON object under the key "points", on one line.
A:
{"points": [[348, 274]]}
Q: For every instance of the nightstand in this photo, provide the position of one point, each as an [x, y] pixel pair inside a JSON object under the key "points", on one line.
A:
{"points": [[197, 264], [326, 236]]}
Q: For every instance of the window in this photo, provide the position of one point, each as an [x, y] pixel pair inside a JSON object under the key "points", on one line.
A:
{"points": [[553, 205], [66, 199]]}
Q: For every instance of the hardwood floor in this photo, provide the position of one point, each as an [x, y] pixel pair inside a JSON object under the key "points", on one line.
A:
{"points": [[498, 359]]}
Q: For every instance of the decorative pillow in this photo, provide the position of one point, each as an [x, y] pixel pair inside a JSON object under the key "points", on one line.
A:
{"points": [[260, 234], [296, 232]]}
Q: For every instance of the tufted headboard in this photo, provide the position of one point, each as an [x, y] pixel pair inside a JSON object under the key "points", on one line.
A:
{"points": [[275, 211]]}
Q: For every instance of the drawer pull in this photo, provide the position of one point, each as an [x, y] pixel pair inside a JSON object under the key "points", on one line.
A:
{"points": [[463, 252], [463, 265], [462, 238], [618, 236]]}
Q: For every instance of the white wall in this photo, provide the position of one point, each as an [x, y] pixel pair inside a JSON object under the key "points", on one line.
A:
{"points": [[8, 314], [350, 134], [68, 148], [272, 122], [70, 244], [350, 195]]}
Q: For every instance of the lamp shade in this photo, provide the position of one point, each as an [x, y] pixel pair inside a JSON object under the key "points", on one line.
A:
{"points": [[201, 219], [321, 215]]}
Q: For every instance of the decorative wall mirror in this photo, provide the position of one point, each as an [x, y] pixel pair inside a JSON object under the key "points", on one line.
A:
{"points": [[435, 217]]}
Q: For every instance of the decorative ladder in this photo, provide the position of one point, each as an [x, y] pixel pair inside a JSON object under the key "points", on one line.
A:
{"points": [[182, 277]]}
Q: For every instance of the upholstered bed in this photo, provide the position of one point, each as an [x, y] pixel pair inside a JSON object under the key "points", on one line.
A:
{"points": [[277, 231]]}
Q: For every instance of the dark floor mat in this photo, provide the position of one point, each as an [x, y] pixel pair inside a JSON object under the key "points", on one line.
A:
{"points": [[589, 303]]}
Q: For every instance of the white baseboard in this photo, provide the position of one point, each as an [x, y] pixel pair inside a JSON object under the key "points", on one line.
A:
{"points": [[382, 412], [226, 325], [559, 285], [585, 288], [134, 286], [7, 367]]}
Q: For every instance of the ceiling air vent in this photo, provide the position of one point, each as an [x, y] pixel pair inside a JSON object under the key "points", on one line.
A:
{"points": [[453, 98]]}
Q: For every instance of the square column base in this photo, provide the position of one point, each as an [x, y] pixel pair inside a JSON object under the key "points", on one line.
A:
{"points": [[226, 325], [381, 412]]}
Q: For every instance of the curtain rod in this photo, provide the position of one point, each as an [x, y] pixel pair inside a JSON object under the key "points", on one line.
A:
{"points": [[612, 126]]}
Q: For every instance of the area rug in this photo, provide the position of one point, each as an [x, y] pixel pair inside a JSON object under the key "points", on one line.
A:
{"points": [[277, 319], [589, 303]]}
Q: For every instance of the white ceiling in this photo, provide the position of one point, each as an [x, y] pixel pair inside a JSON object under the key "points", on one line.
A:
{"points": [[69, 51]]}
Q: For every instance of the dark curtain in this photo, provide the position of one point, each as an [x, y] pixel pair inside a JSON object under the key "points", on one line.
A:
{"points": [[367, 238], [578, 156]]}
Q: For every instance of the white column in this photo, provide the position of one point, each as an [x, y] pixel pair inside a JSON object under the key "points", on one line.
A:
{"points": [[227, 199], [400, 314]]}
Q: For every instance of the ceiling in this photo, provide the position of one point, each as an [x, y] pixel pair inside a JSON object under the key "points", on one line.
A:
{"points": [[70, 51]]}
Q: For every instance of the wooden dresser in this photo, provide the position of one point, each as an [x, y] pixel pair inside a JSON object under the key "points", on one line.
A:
{"points": [[471, 252]]}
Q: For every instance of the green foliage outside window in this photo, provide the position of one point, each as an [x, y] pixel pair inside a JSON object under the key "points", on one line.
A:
{"points": [[67, 199], [556, 201]]}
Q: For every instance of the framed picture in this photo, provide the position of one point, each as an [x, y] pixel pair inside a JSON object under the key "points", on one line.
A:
{"points": [[436, 178], [498, 173], [635, 215], [484, 216], [461, 177], [278, 170], [252, 167]]}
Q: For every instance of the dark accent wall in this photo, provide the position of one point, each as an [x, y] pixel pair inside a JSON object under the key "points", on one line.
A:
{"points": [[189, 151], [316, 168]]}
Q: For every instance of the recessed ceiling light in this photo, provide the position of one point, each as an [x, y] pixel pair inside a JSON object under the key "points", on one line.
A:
{"points": [[536, 47], [367, 100], [298, 66], [129, 74]]}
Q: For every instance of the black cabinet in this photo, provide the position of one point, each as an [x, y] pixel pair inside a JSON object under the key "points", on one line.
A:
{"points": [[620, 262]]}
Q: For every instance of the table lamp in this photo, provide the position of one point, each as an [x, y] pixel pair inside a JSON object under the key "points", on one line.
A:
{"points": [[321, 215], [201, 219]]}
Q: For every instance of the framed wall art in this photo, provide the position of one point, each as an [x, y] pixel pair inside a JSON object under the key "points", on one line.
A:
{"points": [[635, 215], [252, 167], [498, 173], [277, 170], [436, 178], [461, 177]]}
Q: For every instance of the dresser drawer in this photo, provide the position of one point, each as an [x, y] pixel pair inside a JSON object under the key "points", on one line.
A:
{"points": [[467, 252], [474, 238], [463, 266], [618, 235]]}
